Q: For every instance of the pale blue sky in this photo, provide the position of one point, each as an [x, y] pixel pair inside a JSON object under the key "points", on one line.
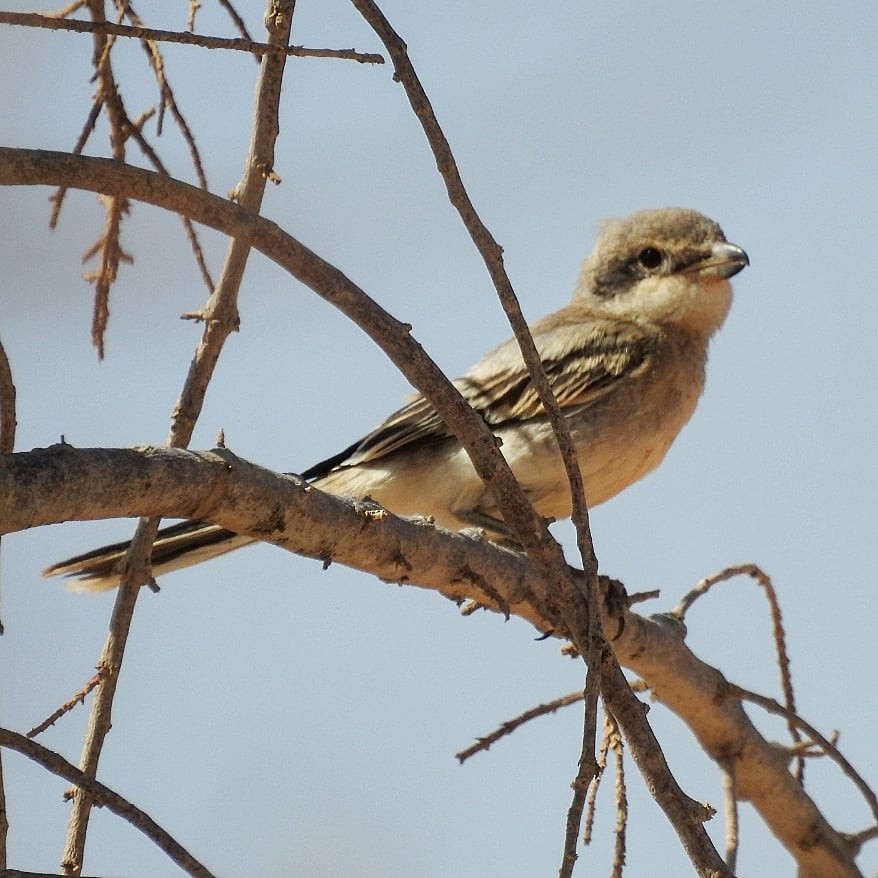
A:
{"points": [[283, 720]]}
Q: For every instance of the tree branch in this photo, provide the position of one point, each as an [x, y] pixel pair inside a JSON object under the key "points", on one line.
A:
{"points": [[63, 483], [106, 797], [221, 319], [110, 28]]}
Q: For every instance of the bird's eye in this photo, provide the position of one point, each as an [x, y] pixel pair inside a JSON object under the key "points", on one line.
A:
{"points": [[650, 257]]}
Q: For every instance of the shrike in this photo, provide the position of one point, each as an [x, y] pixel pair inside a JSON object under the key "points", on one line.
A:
{"points": [[626, 361]]}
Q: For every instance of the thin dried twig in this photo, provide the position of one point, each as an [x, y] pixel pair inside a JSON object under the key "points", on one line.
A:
{"points": [[829, 748], [167, 99], [78, 698], [109, 28], [7, 443], [591, 800], [8, 420], [108, 244], [194, 7], [105, 797], [617, 745], [580, 617], [783, 660], [588, 769], [223, 321], [730, 808], [508, 727], [594, 789], [236, 19]]}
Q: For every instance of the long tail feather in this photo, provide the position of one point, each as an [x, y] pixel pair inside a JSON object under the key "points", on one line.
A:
{"points": [[180, 545]]}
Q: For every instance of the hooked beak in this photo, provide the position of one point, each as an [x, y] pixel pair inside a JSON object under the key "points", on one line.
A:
{"points": [[725, 261]]}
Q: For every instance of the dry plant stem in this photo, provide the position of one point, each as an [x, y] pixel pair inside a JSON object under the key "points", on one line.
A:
{"points": [[108, 246], [618, 748], [31, 19], [685, 814], [107, 798], [221, 320], [594, 789], [235, 18], [828, 747], [730, 807], [8, 424], [587, 774], [581, 615], [698, 693], [57, 199], [100, 716], [8, 420], [134, 129], [492, 255], [221, 311], [507, 728], [109, 664], [4, 821], [696, 687], [78, 698], [168, 101], [858, 839], [783, 660], [63, 483]]}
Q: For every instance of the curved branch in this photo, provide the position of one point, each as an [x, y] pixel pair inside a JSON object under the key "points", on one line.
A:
{"points": [[103, 795], [63, 483]]}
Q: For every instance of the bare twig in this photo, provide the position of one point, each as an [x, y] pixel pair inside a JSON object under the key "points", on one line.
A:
{"points": [[167, 99], [105, 797], [8, 424], [829, 747], [78, 698], [685, 814], [580, 615], [617, 745], [8, 420], [508, 727], [236, 19], [783, 660], [135, 572], [730, 808], [588, 769], [223, 319], [57, 198], [109, 28], [591, 800]]}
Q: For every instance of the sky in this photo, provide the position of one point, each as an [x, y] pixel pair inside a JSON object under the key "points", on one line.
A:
{"points": [[281, 719]]}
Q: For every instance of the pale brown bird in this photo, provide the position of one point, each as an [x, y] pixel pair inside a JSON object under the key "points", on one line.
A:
{"points": [[626, 360]]}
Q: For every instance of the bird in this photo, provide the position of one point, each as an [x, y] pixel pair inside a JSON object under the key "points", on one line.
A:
{"points": [[626, 360]]}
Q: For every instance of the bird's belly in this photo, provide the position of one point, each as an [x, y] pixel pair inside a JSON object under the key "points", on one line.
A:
{"points": [[618, 441]]}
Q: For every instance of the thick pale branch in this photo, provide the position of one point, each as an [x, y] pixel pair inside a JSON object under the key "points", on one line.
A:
{"points": [[63, 483]]}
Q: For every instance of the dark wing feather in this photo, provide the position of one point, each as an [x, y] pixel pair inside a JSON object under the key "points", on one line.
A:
{"points": [[583, 361]]}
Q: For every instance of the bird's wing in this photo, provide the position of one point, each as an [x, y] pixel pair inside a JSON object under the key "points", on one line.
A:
{"points": [[583, 361]]}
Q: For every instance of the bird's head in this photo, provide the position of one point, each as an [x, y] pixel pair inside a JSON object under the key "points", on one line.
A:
{"points": [[668, 267]]}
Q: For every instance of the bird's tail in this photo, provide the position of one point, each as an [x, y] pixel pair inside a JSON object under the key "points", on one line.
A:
{"points": [[180, 545]]}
